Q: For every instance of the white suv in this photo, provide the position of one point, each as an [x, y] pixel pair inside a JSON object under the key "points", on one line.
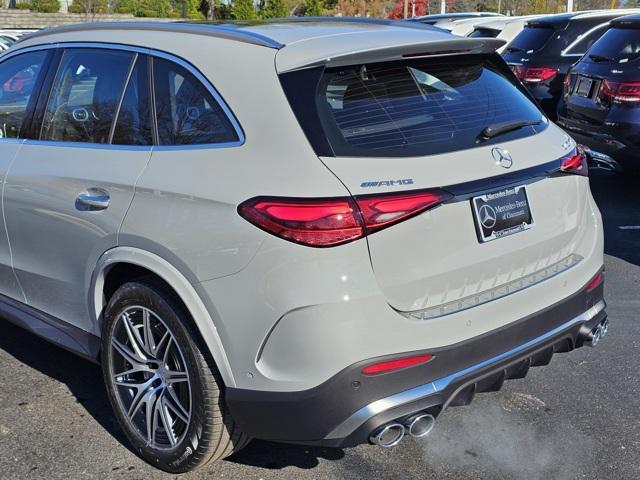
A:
{"points": [[317, 232]]}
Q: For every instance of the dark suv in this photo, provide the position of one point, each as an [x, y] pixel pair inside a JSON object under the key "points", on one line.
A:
{"points": [[545, 49], [601, 101]]}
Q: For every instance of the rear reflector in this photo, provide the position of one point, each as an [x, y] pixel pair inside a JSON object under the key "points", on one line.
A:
{"points": [[575, 163], [621, 92], [335, 221], [534, 74], [596, 282], [397, 364]]}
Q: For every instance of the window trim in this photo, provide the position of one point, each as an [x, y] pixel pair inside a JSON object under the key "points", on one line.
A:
{"points": [[151, 53]]}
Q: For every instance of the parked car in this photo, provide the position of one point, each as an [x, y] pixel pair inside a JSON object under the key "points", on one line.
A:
{"points": [[601, 100], [505, 28], [330, 258], [443, 20], [466, 26], [543, 52]]}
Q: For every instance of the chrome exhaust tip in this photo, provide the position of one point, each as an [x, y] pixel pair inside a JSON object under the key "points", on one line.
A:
{"points": [[388, 435], [592, 337], [420, 425]]}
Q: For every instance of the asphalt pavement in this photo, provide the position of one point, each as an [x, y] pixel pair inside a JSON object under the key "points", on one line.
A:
{"points": [[578, 418]]}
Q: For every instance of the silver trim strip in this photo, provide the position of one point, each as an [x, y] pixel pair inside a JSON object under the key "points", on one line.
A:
{"points": [[146, 51], [495, 293], [365, 413]]}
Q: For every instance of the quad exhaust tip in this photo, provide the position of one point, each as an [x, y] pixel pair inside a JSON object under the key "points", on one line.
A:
{"points": [[388, 435], [420, 425], [391, 434], [592, 337]]}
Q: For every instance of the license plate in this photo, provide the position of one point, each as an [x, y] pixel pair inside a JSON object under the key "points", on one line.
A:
{"points": [[584, 87], [502, 213]]}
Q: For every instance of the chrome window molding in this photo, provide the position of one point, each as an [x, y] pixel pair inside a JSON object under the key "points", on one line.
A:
{"points": [[423, 391], [495, 293], [154, 53]]}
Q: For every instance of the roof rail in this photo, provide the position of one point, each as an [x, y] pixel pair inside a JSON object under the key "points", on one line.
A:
{"points": [[226, 30]]}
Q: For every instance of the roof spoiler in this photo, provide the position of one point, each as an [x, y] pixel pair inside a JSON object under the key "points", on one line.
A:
{"points": [[371, 48]]}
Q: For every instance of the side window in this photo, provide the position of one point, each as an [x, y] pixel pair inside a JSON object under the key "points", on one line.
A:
{"points": [[18, 76], [186, 111], [133, 126], [85, 94], [584, 42]]}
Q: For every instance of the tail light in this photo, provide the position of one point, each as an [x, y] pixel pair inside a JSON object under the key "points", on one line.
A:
{"points": [[335, 221], [621, 92], [534, 74], [397, 364], [575, 163], [595, 282]]}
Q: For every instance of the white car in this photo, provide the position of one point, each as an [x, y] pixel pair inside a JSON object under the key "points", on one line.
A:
{"points": [[323, 232], [505, 28]]}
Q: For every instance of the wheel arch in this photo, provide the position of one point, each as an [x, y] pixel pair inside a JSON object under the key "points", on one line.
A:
{"points": [[142, 259]]}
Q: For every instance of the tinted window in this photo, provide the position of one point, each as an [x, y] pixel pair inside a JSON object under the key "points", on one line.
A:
{"points": [[85, 94], [485, 33], [18, 76], [186, 111], [531, 39], [618, 44], [417, 108], [133, 126], [587, 40]]}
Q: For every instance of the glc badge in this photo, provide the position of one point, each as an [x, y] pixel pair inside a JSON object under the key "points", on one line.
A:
{"points": [[502, 157]]}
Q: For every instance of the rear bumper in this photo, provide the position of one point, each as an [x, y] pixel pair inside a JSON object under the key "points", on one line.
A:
{"points": [[621, 143], [344, 410]]}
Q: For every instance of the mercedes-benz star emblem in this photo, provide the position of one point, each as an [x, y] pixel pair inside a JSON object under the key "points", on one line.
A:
{"points": [[488, 216], [502, 157]]}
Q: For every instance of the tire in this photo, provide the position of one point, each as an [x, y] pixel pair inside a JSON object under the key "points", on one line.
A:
{"points": [[164, 373]]}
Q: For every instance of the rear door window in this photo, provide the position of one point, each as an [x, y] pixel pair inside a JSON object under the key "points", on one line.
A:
{"points": [[618, 44], [133, 125], [186, 111], [531, 39], [18, 78], [85, 94], [417, 108]]}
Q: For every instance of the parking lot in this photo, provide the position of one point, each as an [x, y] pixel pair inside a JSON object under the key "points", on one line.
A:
{"points": [[576, 418]]}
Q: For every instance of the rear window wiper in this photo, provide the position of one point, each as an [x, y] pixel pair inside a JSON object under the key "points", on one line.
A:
{"points": [[600, 58], [496, 129]]}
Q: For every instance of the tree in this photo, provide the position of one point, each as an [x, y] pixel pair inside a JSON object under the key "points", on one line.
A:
{"points": [[313, 8], [244, 10], [89, 6], [274, 9], [43, 6], [147, 8]]}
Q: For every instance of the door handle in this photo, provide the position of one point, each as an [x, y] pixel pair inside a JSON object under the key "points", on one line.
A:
{"points": [[93, 199]]}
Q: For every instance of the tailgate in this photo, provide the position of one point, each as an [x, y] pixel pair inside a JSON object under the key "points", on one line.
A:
{"points": [[421, 124]]}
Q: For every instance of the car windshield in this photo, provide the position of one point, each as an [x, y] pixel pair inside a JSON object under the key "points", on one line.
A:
{"points": [[531, 38], [419, 107], [618, 44]]}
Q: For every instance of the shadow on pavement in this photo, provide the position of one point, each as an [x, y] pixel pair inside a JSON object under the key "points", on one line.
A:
{"points": [[618, 197], [83, 378], [275, 456]]}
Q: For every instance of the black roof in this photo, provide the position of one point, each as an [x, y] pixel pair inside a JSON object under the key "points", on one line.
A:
{"points": [[628, 21]]}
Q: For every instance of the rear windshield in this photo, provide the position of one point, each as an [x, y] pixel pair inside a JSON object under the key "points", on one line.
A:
{"points": [[418, 107], [485, 33], [530, 39], [618, 44]]}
